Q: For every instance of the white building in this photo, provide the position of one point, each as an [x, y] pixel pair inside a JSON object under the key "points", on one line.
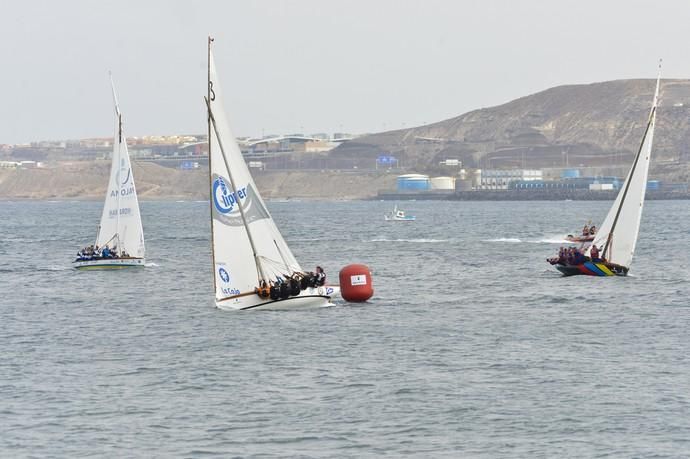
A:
{"points": [[498, 179]]}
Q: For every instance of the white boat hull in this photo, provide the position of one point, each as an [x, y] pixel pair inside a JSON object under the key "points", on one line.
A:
{"points": [[399, 219], [310, 298], [110, 263]]}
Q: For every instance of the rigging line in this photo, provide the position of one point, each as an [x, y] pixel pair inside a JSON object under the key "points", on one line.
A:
{"points": [[280, 252], [257, 259]]}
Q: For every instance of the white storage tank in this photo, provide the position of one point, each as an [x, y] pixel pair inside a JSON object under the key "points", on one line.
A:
{"points": [[442, 183]]}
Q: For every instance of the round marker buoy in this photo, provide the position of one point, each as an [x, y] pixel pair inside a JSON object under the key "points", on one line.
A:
{"points": [[356, 283]]}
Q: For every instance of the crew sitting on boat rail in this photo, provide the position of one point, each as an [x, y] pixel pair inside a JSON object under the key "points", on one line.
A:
{"points": [[572, 256], [568, 256], [285, 286], [95, 253]]}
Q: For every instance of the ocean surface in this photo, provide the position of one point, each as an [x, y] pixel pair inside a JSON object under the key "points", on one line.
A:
{"points": [[472, 346]]}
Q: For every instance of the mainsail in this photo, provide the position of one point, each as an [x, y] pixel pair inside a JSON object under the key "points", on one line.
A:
{"points": [[617, 235], [121, 221], [247, 246]]}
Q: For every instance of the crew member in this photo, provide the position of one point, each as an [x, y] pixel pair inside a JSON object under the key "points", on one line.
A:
{"points": [[594, 252], [320, 276]]}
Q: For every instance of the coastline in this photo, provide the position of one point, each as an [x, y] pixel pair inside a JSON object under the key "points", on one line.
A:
{"points": [[87, 180]]}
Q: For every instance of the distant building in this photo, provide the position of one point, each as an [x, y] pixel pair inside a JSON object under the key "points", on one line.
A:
{"points": [[451, 162], [29, 164], [498, 179], [581, 183]]}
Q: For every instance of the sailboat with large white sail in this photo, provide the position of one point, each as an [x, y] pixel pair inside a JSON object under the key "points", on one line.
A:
{"points": [[612, 249], [120, 239], [253, 267]]}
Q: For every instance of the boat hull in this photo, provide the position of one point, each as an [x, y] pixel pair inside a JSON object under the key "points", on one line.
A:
{"points": [[593, 268], [400, 219], [310, 298], [571, 238], [109, 263]]}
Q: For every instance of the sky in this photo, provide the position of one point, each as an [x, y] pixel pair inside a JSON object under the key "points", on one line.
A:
{"points": [[312, 65]]}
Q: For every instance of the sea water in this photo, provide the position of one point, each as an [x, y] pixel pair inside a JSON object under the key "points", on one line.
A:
{"points": [[472, 346]]}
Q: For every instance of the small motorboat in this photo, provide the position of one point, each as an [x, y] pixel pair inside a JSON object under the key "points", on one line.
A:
{"points": [[398, 215], [579, 239], [587, 235]]}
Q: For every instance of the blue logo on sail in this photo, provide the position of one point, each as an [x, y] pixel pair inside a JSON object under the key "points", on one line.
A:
{"points": [[223, 198], [224, 275]]}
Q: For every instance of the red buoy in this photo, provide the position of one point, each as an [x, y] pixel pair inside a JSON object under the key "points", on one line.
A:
{"points": [[356, 283]]}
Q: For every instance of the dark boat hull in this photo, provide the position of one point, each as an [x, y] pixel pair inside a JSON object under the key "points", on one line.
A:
{"points": [[593, 268]]}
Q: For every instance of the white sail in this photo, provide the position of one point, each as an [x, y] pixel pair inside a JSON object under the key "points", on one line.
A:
{"points": [[121, 221], [617, 235], [237, 269]]}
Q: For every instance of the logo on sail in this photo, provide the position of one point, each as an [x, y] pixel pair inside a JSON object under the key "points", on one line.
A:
{"points": [[123, 182], [223, 198], [124, 171], [225, 201], [224, 275]]}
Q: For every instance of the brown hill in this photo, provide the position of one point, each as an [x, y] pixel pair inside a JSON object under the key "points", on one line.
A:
{"points": [[599, 124], [88, 180]]}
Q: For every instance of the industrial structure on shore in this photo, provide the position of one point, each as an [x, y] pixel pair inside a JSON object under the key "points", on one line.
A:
{"points": [[554, 182]]}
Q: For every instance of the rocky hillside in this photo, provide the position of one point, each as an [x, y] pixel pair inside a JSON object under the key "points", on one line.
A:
{"points": [[88, 180], [577, 125]]}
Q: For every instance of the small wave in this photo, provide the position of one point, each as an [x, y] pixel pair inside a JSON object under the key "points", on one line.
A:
{"points": [[550, 240], [408, 240], [57, 268], [504, 239], [151, 264]]}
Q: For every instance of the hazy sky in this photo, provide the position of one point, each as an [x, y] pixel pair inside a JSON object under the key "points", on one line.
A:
{"points": [[312, 65]]}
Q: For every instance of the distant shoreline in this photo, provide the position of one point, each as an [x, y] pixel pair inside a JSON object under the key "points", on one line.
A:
{"points": [[478, 197], [525, 195]]}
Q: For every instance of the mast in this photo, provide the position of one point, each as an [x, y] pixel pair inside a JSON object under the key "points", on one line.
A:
{"points": [[652, 114], [209, 99], [98, 234], [257, 260], [117, 176], [116, 159]]}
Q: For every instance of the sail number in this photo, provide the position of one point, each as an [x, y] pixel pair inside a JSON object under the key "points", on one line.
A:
{"points": [[123, 211], [123, 192]]}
